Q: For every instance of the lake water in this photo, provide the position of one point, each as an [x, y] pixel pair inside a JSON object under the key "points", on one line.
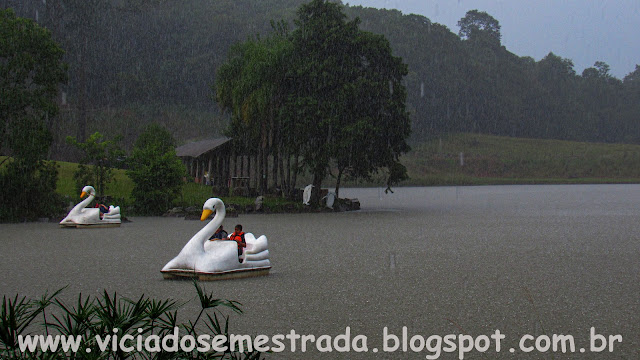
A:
{"points": [[440, 260]]}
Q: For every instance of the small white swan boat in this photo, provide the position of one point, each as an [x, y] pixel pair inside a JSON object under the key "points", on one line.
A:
{"points": [[217, 260], [81, 216]]}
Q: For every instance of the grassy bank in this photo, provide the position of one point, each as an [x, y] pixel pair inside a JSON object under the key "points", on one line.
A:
{"points": [[503, 160]]}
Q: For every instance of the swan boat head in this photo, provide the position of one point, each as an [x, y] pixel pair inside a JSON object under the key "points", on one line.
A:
{"points": [[213, 205], [88, 190]]}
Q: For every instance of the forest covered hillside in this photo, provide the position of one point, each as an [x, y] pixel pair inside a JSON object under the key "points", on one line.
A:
{"points": [[136, 62]]}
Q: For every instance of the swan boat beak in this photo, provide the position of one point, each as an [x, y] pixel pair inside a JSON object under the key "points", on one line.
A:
{"points": [[205, 214], [82, 194]]}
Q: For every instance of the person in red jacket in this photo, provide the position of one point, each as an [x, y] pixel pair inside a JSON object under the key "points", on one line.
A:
{"points": [[103, 209], [238, 236]]}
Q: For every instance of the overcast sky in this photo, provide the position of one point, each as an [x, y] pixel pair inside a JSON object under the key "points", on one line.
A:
{"points": [[584, 31]]}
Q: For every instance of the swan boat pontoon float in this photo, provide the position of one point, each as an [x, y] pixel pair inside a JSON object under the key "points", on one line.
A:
{"points": [[81, 216], [218, 259]]}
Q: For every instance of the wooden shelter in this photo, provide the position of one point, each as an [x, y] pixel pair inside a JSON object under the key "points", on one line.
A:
{"points": [[208, 161], [217, 162]]}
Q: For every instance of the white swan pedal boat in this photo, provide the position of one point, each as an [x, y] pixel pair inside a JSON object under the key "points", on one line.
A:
{"points": [[82, 216], [217, 260]]}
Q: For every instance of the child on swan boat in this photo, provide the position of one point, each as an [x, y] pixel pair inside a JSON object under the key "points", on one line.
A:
{"points": [[237, 236]]}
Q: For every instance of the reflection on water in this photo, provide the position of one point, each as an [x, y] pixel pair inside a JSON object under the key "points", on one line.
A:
{"points": [[421, 258]]}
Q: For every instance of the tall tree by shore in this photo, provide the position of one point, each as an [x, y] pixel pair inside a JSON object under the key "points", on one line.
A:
{"points": [[348, 102], [31, 70], [332, 94]]}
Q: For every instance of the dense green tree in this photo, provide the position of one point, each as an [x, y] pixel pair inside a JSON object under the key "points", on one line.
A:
{"points": [[557, 108], [156, 171], [631, 106], [480, 26], [374, 125], [601, 96], [347, 102], [436, 66], [31, 69], [99, 158], [328, 92], [28, 191]]}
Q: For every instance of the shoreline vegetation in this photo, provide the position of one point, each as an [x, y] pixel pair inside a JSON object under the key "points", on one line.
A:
{"points": [[449, 160], [93, 317]]}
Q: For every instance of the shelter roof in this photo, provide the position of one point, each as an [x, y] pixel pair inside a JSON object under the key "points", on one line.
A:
{"points": [[197, 148]]}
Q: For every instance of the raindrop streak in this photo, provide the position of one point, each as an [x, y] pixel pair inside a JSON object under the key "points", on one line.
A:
{"points": [[458, 192]]}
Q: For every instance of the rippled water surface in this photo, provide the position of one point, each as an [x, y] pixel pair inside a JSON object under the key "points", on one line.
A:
{"points": [[441, 260]]}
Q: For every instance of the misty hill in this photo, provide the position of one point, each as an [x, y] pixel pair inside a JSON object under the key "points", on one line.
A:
{"points": [[134, 62]]}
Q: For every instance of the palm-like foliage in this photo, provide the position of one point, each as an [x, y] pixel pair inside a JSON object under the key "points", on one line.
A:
{"points": [[15, 316], [251, 86], [108, 316]]}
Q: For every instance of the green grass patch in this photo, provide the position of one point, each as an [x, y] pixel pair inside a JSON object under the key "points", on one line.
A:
{"points": [[119, 188], [503, 160]]}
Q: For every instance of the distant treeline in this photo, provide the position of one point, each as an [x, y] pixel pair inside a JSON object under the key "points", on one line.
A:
{"points": [[148, 53], [471, 83]]}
